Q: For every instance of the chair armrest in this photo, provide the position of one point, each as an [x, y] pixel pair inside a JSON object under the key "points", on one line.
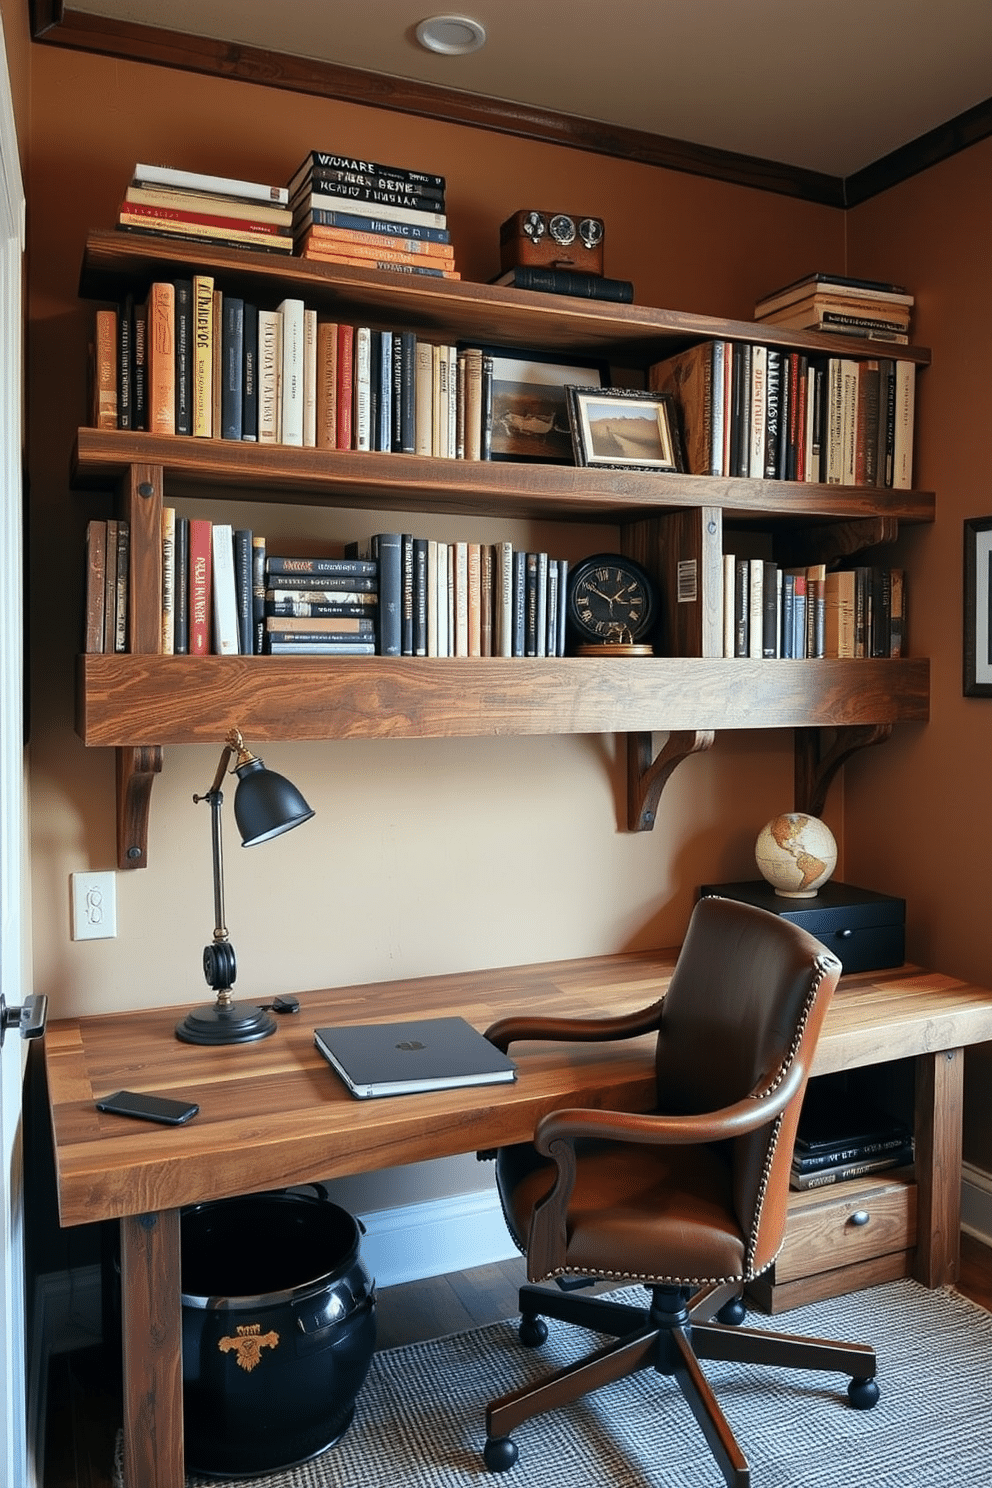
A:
{"points": [[755, 1110], [558, 1132], [574, 1030]]}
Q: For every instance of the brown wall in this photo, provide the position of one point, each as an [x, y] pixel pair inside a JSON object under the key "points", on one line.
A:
{"points": [[431, 856], [918, 813]]}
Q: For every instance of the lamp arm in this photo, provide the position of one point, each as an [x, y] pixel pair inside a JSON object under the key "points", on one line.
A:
{"points": [[219, 964]]}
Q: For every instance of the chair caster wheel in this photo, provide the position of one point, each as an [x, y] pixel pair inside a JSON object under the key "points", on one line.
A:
{"points": [[500, 1453], [732, 1313], [862, 1393], [532, 1332]]}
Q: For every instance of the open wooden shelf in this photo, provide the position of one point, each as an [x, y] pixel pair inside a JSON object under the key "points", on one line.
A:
{"points": [[135, 700], [115, 262], [281, 473], [671, 523]]}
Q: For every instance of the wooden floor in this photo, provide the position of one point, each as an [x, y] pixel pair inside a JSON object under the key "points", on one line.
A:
{"points": [[84, 1408]]}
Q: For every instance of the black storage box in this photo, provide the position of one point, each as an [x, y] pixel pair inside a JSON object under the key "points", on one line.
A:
{"points": [[866, 931]]}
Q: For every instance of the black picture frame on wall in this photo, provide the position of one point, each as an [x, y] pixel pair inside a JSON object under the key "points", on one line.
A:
{"points": [[977, 647]]}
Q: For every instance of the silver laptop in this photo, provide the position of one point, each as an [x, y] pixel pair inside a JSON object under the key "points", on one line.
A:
{"points": [[403, 1058]]}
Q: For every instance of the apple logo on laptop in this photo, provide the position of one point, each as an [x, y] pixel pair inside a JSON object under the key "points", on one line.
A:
{"points": [[411, 1044]]}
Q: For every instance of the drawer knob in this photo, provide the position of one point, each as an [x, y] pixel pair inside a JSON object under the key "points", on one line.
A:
{"points": [[860, 1217]]}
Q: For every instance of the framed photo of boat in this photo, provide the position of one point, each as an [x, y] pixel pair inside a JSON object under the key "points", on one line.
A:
{"points": [[624, 429], [526, 409]]}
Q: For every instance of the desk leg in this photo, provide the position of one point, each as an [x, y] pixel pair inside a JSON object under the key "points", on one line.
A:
{"points": [[153, 1367], [939, 1115]]}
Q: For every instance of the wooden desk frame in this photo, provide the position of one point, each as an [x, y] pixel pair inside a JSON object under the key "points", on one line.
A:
{"points": [[273, 1114]]}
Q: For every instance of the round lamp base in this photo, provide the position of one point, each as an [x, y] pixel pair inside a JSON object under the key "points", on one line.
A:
{"points": [[235, 1024]]}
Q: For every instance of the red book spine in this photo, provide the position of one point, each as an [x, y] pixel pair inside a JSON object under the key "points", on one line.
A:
{"points": [[199, 586], [346, 351]]}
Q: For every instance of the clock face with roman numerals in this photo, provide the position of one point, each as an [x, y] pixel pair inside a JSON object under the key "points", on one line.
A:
{"points": [[610, 599]]}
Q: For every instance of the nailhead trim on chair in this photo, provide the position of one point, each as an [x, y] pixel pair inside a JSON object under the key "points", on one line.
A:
{"points": [[749, 1273], [773, 1143]]}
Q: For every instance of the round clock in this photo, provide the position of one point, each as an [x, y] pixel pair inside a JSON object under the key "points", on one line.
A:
{"points": [[612, 603]]}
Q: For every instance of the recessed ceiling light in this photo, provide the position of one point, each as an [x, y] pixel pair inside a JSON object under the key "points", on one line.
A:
{"points": [[451, 35]]}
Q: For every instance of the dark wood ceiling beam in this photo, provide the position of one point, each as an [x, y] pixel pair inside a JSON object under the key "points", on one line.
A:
{"points": [[929, 149], [53, 23]]}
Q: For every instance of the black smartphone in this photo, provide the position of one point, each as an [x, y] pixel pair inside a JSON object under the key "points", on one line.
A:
{"points": [[148, 1107]]}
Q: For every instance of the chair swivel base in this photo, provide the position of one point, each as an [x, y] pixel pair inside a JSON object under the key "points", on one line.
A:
{"points": [[671, 1336]]}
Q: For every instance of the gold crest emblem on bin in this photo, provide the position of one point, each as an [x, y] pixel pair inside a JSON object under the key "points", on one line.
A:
{"points": [[248, 1345]]}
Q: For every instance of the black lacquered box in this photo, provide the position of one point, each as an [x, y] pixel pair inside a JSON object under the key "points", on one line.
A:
{"points": [[866, 931]]}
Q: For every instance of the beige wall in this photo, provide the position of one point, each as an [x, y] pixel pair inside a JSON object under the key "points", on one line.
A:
{"points": [[433, 856]]}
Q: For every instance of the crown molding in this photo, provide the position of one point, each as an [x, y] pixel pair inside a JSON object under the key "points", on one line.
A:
{"points": [[53, 23], [929, 149]]}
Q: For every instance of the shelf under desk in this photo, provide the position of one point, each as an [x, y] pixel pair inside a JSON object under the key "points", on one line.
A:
{"points": [[273, 1114]]}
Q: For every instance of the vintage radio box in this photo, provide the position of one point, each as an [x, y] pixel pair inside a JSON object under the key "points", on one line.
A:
{"points": [[866, 931], [552, 240]]}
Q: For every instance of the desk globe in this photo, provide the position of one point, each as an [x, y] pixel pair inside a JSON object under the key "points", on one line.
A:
{"points": [[796, 854]]}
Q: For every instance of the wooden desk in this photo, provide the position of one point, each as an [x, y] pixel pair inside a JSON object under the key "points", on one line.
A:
{"points": [[274, 1114]]}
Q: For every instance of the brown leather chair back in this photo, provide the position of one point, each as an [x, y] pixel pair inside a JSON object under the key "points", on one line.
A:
{"points": [[746, 1001]]}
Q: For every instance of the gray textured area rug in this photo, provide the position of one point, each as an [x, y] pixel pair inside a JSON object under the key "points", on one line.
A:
{"points": [[420, 1420]]}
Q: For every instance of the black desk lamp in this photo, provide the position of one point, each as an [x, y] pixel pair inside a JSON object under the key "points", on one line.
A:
{"points": [[265, 804]]}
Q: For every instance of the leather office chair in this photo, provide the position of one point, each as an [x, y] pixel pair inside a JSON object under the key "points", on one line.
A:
{"points": [[689, 1201]]}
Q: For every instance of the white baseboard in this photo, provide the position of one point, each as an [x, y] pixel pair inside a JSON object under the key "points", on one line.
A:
{"points": [[431, 1239], [976, 1203]]}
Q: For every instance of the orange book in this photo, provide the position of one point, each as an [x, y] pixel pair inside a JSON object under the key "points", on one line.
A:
{"points": [[349, 261], [162, 359], [318, 233], [333, 240], [327, 384], [346, 352], [105, 371]]}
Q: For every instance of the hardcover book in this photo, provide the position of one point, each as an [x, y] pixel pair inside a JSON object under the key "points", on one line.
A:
{"points": [[381, 1059], [160, 175], [162, 359], [184, 356]]}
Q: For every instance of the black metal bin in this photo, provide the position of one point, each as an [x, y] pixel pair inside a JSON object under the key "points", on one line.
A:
{"points": [[278, 1329]]}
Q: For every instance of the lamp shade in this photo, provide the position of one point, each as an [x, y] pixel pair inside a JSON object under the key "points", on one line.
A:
{"points": [[266, 803]]}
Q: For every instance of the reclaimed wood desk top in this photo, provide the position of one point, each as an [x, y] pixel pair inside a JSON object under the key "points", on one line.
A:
{"points": [[274, 1113]]}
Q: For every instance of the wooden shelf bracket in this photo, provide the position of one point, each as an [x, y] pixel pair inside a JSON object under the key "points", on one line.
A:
{"points": [[136, 770], [647, 778], [817, 765]]}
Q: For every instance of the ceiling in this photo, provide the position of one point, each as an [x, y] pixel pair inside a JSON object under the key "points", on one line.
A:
{"points": [[830, 86]]}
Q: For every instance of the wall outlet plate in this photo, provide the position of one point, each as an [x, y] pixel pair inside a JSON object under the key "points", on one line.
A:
{"points": [[94, 906]]}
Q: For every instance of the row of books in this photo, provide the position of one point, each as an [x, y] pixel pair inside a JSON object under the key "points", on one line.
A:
{"points": [[867, 308], [224, 594], [810, 613], [357, 212], [193, 360], [844, 1135], [767, 414], [467, 598], [162, 202]]}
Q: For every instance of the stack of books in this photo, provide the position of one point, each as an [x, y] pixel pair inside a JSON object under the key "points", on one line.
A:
{"points": [[166, 203], [370, 216], [320, 606], [842, 1139], [867, 308]]}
